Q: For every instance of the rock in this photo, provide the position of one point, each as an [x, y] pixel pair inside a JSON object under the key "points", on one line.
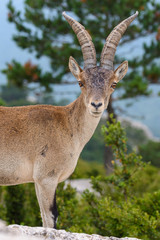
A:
{"points": [[2, 225], [80, 184], [17, 232], [8, 234]]}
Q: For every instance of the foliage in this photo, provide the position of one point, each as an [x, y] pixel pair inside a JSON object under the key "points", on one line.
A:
{"points": [[147, 181], [116, 210], [69, 210], [43, 30], [85, 169], [151, 152], [135, 136], [18, 204], [20, 75], [125, 164], [14, 203], [120, 218], [10, 93], [2, 102], [94, 149]]}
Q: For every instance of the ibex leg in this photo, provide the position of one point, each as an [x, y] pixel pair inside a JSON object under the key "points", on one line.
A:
{"points": [[46, 191]]}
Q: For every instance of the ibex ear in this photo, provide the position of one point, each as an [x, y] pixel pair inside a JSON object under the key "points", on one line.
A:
{"points": [[121, 71], [74, 67]]}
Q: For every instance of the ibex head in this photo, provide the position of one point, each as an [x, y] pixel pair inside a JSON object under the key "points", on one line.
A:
{"points": [[98, 82]]}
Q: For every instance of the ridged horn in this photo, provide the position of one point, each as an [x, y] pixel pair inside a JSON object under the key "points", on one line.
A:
{"points": [[109, 49], [85, 40]]}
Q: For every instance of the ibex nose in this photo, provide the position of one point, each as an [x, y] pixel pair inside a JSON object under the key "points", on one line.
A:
{"points": [[97, 105]]}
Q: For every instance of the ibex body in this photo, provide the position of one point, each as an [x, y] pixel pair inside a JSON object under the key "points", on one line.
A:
{"points": [[41, 144]]}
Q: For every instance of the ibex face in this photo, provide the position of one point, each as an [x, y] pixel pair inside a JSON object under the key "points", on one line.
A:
{"points": [[96, 87], [97, 83]]}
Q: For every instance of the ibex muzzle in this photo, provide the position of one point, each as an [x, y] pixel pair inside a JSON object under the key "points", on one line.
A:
{"points": [[41, 143]]}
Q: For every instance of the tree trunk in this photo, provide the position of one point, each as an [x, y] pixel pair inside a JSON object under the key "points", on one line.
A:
{"points": [[108, 155]]}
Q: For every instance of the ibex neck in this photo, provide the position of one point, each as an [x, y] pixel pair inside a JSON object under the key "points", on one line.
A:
{"points": [[83, 122]]}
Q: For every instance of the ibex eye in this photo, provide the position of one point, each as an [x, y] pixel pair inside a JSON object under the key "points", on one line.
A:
{"points": [[81, 84], [113, 85]]}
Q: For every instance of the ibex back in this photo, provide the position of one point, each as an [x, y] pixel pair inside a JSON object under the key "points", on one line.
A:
{"points": [[41, 144]]}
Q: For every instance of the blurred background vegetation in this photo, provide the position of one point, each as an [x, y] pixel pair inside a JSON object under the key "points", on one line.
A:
{"points": [[128, 205]]}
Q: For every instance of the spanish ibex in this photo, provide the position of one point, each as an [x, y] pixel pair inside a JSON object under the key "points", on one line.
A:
{"points": [[41, 143]]}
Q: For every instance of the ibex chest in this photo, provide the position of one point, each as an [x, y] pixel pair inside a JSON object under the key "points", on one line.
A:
{"points": [[67, 160]]}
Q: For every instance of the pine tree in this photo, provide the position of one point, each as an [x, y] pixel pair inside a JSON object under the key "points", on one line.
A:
{"points": [[41, 29]]}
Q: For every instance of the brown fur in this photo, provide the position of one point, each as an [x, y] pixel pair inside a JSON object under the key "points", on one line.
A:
{"points": [[42, 143]]}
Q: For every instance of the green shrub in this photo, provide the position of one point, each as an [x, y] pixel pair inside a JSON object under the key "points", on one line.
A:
{"points": [[14, 198], [151, 152], [116, 210], [2, 102], [85, 169], [121, 218], [125, 165], [120, 205], [147, 181], [94, 149], [18, 204]]}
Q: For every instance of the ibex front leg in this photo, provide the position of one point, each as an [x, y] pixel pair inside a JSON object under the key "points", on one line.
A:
{"points": [[46, 195]]}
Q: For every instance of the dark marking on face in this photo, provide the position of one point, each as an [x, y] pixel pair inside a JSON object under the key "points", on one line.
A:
{"points": [[54, 211], [71, 154], [96, 77], [71, 134], [44, 150], [97, 84], [51, 173]]}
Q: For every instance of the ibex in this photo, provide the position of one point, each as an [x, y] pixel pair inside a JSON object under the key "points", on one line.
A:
{"points": [[42, 143]]}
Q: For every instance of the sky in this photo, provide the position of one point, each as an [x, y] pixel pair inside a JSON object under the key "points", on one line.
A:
{"points": [[8, 48], [145, 109]]}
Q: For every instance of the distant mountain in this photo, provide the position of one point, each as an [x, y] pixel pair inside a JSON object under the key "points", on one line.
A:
{"points": [[145, 109]]}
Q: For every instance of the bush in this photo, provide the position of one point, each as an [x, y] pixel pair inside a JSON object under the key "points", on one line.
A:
{"points": [[71, 210], [151, 152], [116, 210], [2, 102], [119, 206], [86, 169], [94, 149], [14, 198], [122, 218]]}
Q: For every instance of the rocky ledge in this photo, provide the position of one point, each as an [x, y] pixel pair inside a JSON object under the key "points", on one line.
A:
{"points": [[17, 232]]}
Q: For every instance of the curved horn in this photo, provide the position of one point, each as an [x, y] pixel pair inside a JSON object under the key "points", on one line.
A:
{"points": [[85, 40], [109, 49]]}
